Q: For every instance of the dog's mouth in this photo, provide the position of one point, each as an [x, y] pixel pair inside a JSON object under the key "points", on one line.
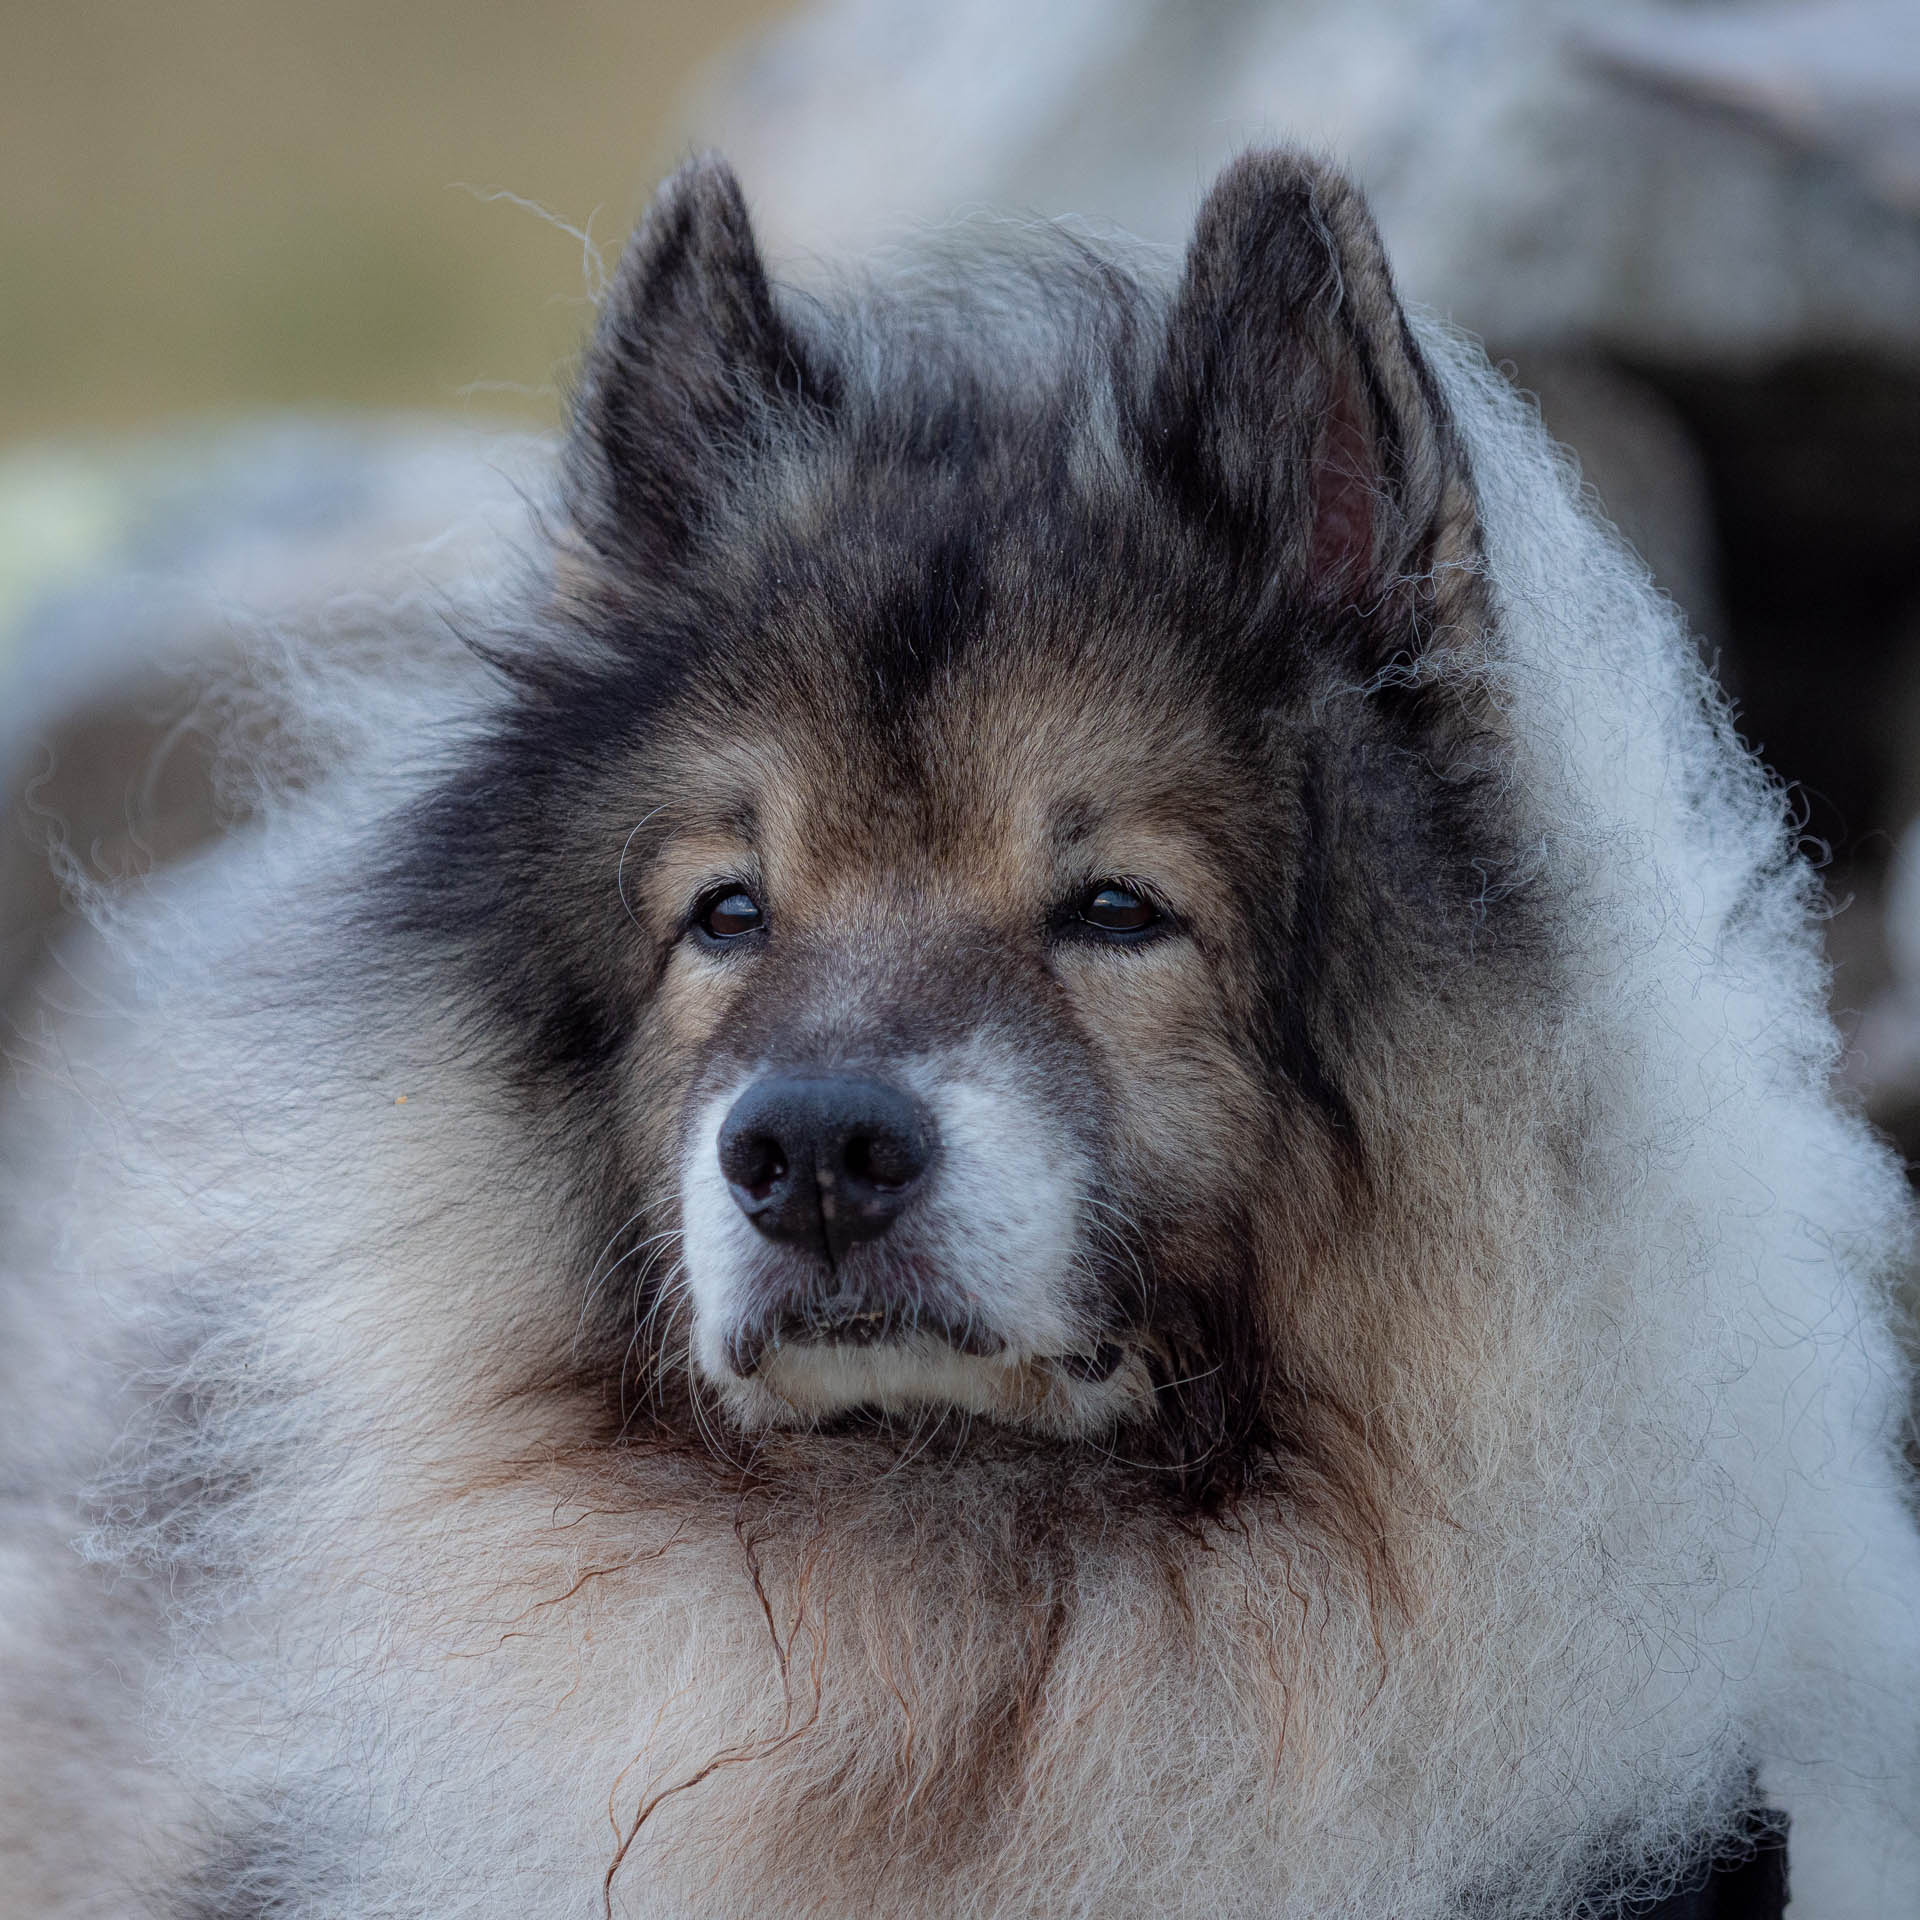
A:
{"points": [[856, 1325], [817, 1359]]}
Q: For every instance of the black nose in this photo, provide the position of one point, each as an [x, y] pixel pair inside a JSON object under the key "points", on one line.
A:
{"points": [[824, 1160]]}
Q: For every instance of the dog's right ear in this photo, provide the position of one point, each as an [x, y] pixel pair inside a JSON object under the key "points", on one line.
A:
{"points": [[691, 364], [1293, 409]]}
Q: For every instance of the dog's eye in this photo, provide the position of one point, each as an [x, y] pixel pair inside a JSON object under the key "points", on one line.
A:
{"points": [[728, 914], [1113, 908]]}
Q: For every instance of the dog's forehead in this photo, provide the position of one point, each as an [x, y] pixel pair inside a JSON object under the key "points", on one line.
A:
{"points": [[1008, 758]]}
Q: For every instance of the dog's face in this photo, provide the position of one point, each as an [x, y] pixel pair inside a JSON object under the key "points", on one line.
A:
{"points": [[962, 991], [945, 883]]}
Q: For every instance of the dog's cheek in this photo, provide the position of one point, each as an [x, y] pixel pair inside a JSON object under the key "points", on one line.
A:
{"points": [[679, 1045], [1182, 1099], [718, 1248], [702, 999]]}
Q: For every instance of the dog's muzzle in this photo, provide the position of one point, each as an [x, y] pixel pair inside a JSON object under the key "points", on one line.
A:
{"points": [[823, 1165], [898, 1237]]}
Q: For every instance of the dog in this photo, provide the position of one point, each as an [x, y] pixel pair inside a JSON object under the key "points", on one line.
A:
{"points": [[1056, 1140]]}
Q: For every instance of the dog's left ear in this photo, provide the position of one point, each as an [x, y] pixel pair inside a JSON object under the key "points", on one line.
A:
{"points": [[1292, 406], [692, 372]]}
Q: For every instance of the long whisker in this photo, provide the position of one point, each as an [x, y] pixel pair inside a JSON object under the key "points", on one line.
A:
{"points": [[598, 1281], [620, 871]]}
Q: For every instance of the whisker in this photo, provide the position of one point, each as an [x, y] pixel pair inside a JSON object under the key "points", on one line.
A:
{"points": [[596, 1287], [620, 871]]}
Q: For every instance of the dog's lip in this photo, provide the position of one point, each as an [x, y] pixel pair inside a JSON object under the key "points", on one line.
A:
{"points": [[749, 1348], [854, 1324], [1096, 1367]]}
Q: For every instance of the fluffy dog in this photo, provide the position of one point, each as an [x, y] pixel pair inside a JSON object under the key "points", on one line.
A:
{"points": [[1056, 1143]]}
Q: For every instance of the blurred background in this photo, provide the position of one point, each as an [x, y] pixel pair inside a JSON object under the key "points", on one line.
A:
{"points": [[287, 296], [219, 206]]}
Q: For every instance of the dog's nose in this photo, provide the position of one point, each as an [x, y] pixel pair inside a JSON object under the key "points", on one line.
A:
{"points": [[824, 1160]]}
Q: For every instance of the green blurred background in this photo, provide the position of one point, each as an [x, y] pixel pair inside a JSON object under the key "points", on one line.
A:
{"points": [[215, 206]]}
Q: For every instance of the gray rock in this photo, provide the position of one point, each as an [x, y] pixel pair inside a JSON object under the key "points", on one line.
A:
{"points": [[1673, 181]]}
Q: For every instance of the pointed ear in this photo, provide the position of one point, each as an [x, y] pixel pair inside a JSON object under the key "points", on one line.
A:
{"points": [[690, 367], [1292, 405]]}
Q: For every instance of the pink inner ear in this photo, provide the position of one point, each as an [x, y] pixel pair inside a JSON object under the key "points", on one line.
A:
{"points": [[1341, 552]]}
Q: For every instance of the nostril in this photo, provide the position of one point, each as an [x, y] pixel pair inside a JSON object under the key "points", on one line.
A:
{"points": [[762, 1166], [754, 1160], [882, 1161]]}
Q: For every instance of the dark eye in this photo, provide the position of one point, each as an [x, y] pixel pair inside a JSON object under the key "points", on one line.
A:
{"points": [[728, 914], [1113, 908]]}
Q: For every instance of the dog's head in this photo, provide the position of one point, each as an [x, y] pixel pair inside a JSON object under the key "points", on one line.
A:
{"points": [[959, 878]]}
